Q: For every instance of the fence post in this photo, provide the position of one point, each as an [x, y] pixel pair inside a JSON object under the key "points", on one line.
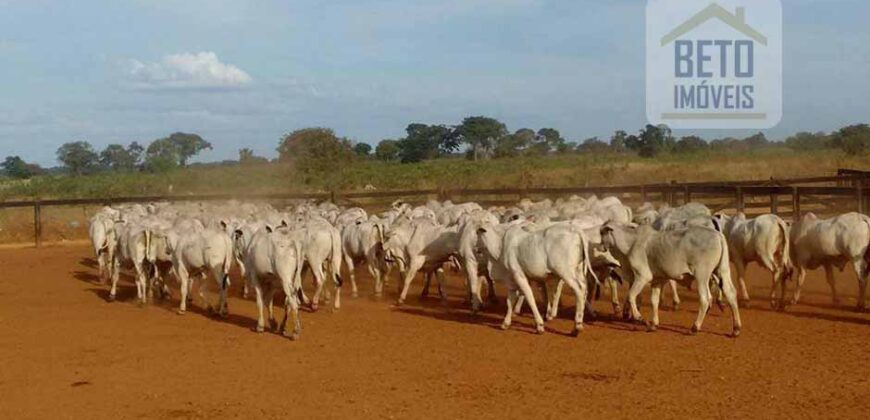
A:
{"points": [[332, 197], [687, 194], [741, 207], [859, 194], [672, 197], [37, 223], [643, 194], [774, 203], [796, 203]]}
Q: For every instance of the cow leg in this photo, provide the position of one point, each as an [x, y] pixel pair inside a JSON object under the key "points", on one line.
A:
{"points": [[704, 297], [317, 271], [116, 272], [348, 261], [291, 308], [676, 294], [222, 280], [731, 296], [777, 277], [414, 266], [203, 293], [526, 289], [860, 271], [512, 296], [829, 276], [801, 277], [580, 291], [258, 295], [553, 301], [740, 266], [633, 292], [518, 306], [491, 297], [184, 279], [101, 263], [439, 273], [428, 280], [614, 295], [655, 298]]}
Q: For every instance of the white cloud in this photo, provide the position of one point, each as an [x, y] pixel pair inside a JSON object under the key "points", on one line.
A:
{"points": [[187, 71]]}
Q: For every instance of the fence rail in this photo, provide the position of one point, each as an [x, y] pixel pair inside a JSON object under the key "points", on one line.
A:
{"points": [[845, 192]]}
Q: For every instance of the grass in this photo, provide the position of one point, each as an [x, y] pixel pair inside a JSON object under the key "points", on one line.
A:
{"points": [[551, 171]]}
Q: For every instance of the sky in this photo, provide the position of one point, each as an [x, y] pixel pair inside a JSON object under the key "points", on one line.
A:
{"points": [[243, 73]]}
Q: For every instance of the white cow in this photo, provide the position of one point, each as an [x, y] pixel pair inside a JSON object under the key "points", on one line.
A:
{"points": [[558, 252], [652, 257], [363, 241], [205, 252], [274, 257], [103, 239], [828, 243], [764, 240], [429, 246]]}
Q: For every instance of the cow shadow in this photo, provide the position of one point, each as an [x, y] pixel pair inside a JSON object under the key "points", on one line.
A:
{"points": [[89, 262]]}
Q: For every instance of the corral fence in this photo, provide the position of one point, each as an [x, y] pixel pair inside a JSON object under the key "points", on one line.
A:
{"points": [[789, 198]]}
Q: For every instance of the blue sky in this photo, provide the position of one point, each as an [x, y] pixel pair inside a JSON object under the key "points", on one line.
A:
{"points": [[242, 73]]}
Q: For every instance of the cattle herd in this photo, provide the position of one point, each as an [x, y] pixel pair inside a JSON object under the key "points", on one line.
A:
{"points": [[588, 244]]}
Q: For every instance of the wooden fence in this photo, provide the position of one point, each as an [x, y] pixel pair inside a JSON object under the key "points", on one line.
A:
{"points": [[789, 198]]}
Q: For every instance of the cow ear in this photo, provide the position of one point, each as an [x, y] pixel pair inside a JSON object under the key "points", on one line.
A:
{"points": [[238, 234], [283, 223], [269, 229], [223, 224], [359, 222], [481, 231], [606, 230]]}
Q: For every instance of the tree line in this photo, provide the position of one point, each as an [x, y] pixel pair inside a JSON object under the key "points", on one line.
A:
{"points": [[320, 150]]}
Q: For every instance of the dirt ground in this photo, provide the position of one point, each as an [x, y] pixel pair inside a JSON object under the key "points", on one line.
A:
{"points": [[66, 352]]}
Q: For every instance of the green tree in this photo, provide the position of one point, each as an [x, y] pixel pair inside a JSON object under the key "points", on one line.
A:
{"points": [[247, 157], [593, 145], [653, 140], [119, 158], [188, 145], [362, 149], [425, 142], [387, 150], [552, 141], [515, 144], [853, 139], [162, 155], [15, 167], [690, 144], [316, 151], [804, 141], [482, 134], [78, 157], [618, 141]]}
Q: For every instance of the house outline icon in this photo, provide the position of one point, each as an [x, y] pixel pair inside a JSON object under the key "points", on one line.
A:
{"points": [[736, 21]]}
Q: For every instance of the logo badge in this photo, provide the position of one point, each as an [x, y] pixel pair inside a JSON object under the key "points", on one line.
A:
{"points": [[714, 64]]}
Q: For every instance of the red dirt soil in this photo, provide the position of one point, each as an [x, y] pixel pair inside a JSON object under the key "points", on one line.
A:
{"points": [[68, 353]]}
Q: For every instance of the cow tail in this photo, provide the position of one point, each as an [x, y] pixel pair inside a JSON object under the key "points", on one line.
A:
{"points": [[335, 258], [867, 250], [785, 247], [587, 262], [228, 263], [724, 268]]}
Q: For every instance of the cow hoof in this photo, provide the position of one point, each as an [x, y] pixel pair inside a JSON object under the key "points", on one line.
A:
{"points": [[505, 326], [746, 304], [259, 329], [736, 332], [676, 306], [111, 298], [140, 304], [650, 327], [617, 309], [314, 307], [224, 315], [577, 330], [273, 325], [695, 330], [294, 336], [354, 295], [539, 329], [180, 312], [400, 302]]}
